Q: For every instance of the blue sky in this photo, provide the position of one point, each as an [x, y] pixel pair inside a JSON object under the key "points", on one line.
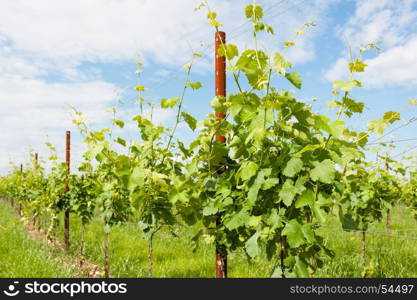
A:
{"points": [[83, 52]]}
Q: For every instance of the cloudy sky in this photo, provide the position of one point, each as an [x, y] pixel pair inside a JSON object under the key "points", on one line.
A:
{"points": [[83, 52]]}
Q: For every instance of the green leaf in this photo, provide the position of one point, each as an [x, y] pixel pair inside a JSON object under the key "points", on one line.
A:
{"points": [[289, 44], [293, 167], [248, 170], [169, 103], [119, 123], [288, 192], [190, 120], [352, 105], [295, 79], [231, 51], [140, 88], [280, 64], [269, 183], [254, 11], [263, 27], [294, 233], [210, 210], [121, 141], [300, 268], [211, 15], [346, 86], [357, 66], [218, 104], [306, 149], [319, 214], [337, 128], [237, 103], [348, 223], [254, 71], [392, 116], [259, 183], [99, 135], [254, 221], [237, 220], [251, 245], [322, 122], [136, 179], [308, 233], [306, 198], [195, 85], [323, 171]]}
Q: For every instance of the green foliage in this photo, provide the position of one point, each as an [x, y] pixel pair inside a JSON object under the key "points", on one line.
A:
{"points": [[295, 79], [229, 50], [283, 170]]}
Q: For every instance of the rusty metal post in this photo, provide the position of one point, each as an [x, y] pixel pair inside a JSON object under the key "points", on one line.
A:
{"points": [[220, 82], [20, 204], [37, 221], [67, 213], [389, 221]]}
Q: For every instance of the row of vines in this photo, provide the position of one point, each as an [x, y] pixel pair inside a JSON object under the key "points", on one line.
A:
{"points": [[277, 174]]}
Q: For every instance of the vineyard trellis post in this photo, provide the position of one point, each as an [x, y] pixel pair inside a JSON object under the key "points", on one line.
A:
{"points": [[36, 219], [389, 221], [364, 249], [20, 204], [67, 213], [220, 86]]}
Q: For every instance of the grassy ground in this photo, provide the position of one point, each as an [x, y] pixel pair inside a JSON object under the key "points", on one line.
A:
{"points": [[20, 256], [387, 256]]}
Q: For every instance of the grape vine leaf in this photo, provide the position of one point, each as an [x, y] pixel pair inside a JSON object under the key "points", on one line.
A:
{"points": [[306, 198], [251, 245], [288, 192], [248, 170], [293, 167], [294, 232], [323, 171], [169, 103], [295, 79], [190, 120]]}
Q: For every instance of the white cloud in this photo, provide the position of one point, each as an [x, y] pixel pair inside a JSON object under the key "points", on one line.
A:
{"points": [[391, 23], [45, 45], [338, 71], [397, 66], [100, 30], [33, 108], [115, 30]]}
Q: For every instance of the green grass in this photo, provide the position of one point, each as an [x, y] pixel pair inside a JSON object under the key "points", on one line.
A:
{"points": [[390, 256], [20, 256], [172, 256]]}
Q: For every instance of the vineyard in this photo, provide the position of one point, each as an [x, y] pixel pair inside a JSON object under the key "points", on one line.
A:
{"points": [[268, 187]]}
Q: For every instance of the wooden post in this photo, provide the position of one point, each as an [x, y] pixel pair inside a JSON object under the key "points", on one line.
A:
{"points": [[389, 221], [67, 214], [220, 82], [106, 255], [36, 220], [364, 249], [20, 204]]}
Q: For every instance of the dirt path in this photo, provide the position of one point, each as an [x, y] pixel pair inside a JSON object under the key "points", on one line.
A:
{"points": [[83, 267]]}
